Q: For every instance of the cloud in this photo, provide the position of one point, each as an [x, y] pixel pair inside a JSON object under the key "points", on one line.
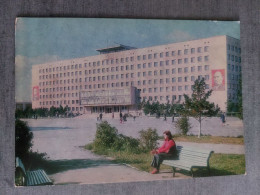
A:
{"points": [[178, 36], [23, 72]]}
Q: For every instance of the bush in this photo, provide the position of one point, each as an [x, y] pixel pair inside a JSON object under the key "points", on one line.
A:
{"points": [[183, 125], [105, 135], [125, 143], [148, 139], [23, 139]]}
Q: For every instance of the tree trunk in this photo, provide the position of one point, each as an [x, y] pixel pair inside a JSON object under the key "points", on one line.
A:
{"points": [[200, 127]]}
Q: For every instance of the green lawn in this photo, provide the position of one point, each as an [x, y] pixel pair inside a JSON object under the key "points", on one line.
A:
{"points": [[209, 139], [220, 164]]}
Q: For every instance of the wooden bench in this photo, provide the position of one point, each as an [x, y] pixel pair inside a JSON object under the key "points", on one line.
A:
{"points": [[189, 158], [30, 178]]}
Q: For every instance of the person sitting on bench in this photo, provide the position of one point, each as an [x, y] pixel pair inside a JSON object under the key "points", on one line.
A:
{"points": [[166, 151]]}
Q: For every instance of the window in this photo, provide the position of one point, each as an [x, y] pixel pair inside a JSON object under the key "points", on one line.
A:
{"points": [[173, 88], [161, 55], [161, 72], [167, 71], [144, 65], [173, 80], [179, 70], [138, 57], [206, 48], [173, 62], [155, 64], [206, 67], [186, 69], [192, 78], [206, 58], [206, 77], [179, 61], [155, 72], [161, 81], [167, 54], [155, 55], [161, 63], [173, 71], [179, 88], [192, 50], [179, 52], [199, 68], [199, 49], [186, 79], [179, 79], [186, 87], [199, 59], [173, 53], [149, 56], [192, 69], [161, 89], [185, 51], [186, 60]]}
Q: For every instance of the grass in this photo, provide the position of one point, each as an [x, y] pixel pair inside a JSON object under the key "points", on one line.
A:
{"points": [[220, 164], [209, 139]]}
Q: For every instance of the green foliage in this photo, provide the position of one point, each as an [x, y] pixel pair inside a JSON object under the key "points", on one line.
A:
{"points": [[23, 139], [105, 135], [183, 125], [198, 105], [107, 138], [125, 143], [41, 112], [148, 139]]}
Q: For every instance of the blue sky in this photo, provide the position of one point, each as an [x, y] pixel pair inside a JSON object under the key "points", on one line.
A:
{"points": [[41, 40]]}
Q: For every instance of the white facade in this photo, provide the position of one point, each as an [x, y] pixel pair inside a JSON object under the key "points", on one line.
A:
{"points": [[161, 73]]}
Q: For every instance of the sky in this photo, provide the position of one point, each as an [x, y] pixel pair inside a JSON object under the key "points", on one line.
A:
{"points": [[42, 40]]}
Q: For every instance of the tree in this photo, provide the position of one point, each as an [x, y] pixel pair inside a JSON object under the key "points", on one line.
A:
{"points": [[23, 139], [197, 105]]}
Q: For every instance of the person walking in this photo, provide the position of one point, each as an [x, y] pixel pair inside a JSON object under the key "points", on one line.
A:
{"points": [[173, 118], [100, 116], [166, 151], [223, 118], [121, 117], [113, 115]]}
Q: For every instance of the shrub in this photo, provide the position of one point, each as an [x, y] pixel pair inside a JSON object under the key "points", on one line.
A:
{"points": [[148, 139], [183, 125], [125, 143], [105, 135], [23, 139]]}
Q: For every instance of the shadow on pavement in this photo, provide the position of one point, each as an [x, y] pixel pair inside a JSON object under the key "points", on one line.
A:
{"points": [[56, 166]]}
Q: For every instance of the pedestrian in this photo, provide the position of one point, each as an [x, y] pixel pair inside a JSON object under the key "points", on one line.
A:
{"points": [[113, 115], [165, 117], [121, 117], [172, 118], [223, 118], [100, 116], [134, 118], [166, 151]]}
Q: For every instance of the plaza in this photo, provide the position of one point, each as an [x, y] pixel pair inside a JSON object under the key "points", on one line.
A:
{"points": [[63, 141]]}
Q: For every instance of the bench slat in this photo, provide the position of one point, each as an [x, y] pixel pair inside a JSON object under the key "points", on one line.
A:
{"points": [[38, 177], [189, 158]]}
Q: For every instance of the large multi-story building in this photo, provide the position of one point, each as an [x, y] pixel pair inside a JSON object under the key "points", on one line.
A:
{"points": [[120, 76]]}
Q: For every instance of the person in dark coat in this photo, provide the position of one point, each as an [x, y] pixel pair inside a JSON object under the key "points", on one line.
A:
{"points": [[100, 116], [223, 118]]}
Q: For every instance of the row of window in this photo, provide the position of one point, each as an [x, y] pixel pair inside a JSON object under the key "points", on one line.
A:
{"points": [[234, 58], [163, 98], [234, 67], [122, 84], [127, 75], [127, 59], [127, 67], [234, 48]]}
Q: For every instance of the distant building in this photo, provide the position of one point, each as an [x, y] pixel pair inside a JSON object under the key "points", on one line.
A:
{"points": [[121, 76]]}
